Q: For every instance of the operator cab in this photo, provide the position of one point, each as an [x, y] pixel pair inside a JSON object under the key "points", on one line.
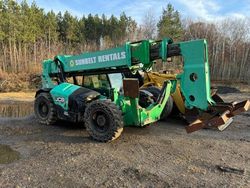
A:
{"points": [[106, 83], [102, 83]]}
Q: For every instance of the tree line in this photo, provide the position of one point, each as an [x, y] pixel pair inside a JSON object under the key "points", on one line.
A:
{"points": [[228, 45], [29, 35]]}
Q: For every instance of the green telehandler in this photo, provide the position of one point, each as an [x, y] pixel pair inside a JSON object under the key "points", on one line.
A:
{"points": [[94, 88]]}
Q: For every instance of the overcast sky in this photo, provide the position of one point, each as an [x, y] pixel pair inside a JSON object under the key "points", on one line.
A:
{"points": [[197, 9]]}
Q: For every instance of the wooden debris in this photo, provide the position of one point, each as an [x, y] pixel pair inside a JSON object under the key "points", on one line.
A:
{"points": [[231, 170]]}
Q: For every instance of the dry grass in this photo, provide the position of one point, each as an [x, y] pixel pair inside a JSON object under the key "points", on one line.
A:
{"points": [[24, 82], [19, 96]]}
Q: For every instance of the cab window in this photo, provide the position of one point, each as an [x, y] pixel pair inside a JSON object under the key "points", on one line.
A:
{"points": [[116, 80], [96, 81]]}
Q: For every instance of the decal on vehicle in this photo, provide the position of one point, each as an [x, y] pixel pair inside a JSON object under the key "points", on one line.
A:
{"points": [[72, 63], [60, 99], [99, 59]]}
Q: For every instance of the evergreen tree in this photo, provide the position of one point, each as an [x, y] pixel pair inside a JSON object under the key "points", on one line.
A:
{"points": [[90, 30], [80, 31], [50, 29], [50, 26], [69, 26], [169, 24], [60, 28], [113, 28]]}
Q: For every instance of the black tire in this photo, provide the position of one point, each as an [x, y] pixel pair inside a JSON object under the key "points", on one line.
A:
{"points": [[169, 105], [167, 109], [145, 98], [103, 120], [155, 92], [45, 110]]}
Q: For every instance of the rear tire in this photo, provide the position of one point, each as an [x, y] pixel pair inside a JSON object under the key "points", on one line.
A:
{"points": [[155, 91], [145, 98], [103, 120], [169, 105], [167, 109], [45, 110]]}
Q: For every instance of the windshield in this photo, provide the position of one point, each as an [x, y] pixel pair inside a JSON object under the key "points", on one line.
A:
{"points": [[116, 80]]}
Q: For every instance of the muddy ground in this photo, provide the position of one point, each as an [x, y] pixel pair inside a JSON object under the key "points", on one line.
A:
{"points": [[162, 155]]}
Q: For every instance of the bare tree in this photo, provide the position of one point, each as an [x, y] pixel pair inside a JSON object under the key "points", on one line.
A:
{"points": [[229, 47], [149, 25]]}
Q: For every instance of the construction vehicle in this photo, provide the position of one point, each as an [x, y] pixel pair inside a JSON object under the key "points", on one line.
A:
{"points": [[93, 88]]}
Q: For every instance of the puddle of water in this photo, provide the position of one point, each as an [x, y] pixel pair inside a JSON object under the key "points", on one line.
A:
{"points": [[8, 155], [16, 109]]}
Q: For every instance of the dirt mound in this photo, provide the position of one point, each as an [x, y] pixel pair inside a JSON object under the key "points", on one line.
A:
{"points": [[19, 82]]}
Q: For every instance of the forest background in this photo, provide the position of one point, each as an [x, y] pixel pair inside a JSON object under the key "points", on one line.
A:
{"points": [[29, 35]]}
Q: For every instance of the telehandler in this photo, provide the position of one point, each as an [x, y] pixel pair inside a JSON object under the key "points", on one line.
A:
{"points": [[95, 88]]}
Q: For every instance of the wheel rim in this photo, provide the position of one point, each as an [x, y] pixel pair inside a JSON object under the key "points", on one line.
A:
{"points": [[43, 109], [100, 120]]}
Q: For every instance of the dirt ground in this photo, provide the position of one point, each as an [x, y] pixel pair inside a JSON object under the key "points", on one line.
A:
{"points": [[161, 155]]}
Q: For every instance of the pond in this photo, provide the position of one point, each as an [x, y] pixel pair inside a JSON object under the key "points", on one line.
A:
{"points": [[16, 109]]}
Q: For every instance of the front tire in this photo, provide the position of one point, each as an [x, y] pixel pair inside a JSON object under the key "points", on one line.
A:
{"points": [[103, 120], [45, 110]]}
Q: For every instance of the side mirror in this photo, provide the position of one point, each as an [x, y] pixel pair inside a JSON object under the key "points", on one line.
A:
{"points": [[131, 87]]}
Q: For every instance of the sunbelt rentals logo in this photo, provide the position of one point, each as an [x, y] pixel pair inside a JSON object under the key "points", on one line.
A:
{"points": [[99, 59]]}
